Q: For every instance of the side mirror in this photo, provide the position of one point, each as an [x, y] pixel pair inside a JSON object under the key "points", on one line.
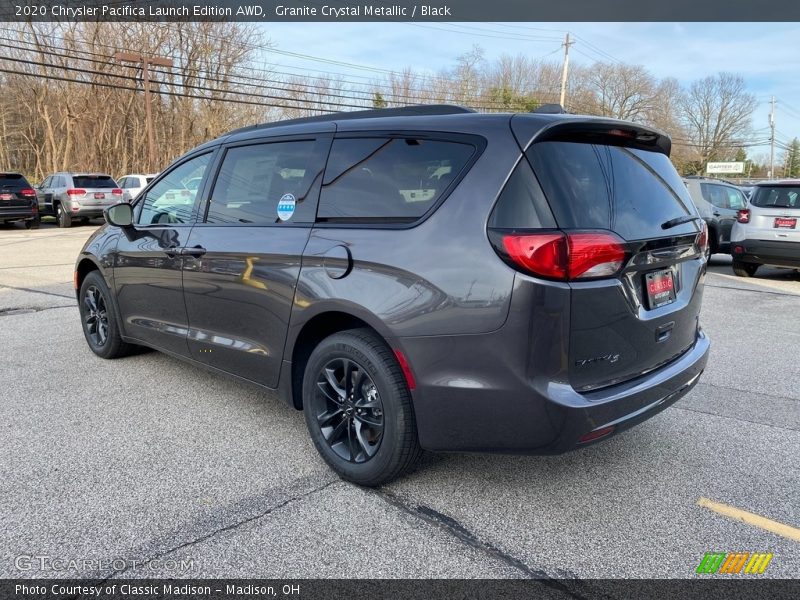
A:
{"points": [[119, 215]]}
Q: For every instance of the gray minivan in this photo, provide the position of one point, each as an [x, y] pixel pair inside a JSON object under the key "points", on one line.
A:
{"points": [[418, 278]]}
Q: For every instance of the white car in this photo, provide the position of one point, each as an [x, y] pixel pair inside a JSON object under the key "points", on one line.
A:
{"points": [[133, 184], [767, 232]]}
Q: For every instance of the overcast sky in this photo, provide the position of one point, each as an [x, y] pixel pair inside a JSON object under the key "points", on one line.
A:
{"points": [[767, 55]]}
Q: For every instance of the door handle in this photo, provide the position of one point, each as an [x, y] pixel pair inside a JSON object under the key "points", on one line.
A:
{"points": [[195, 251]]}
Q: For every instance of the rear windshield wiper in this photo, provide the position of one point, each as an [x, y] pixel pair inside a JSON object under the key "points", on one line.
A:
{"points": [[678, 221]]}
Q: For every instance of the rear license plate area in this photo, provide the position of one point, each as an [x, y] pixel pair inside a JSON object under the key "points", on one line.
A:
{"points": [[6, 196], [785, 223], [660, 288], [99, 196]]}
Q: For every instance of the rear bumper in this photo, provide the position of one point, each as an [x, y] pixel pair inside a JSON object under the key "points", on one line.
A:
{"points": [[487, 408], [17, 213], [767, 252]]}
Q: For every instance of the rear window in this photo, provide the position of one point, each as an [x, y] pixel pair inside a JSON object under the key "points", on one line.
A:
{"points": [[782, 196], [13, 181], [388, 179], [93, 181], [625, 190]]}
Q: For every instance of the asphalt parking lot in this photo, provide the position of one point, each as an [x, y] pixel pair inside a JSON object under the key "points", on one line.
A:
{"points": [[149, 459]]}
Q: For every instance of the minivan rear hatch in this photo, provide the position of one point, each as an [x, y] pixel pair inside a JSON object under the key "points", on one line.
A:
{"points": [[607, 180]]}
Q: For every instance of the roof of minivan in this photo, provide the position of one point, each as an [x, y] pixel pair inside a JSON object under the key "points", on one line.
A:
{"points": [[457, 122]]}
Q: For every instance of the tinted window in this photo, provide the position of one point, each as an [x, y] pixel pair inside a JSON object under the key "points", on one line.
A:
{"points": [[723, 196], [93, 181], [169, 200], [388, 179], [149, 179], [255, 181], [783, 196], [123, 183], [13, 181], [629, 191], [46, 182], [521, 204]]}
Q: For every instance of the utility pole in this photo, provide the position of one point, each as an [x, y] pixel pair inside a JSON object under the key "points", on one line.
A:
{"points": [[564, 71], [146, 61], [772, 141]]}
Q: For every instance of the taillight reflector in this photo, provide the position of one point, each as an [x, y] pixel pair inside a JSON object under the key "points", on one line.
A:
{"points": [[743, 216], [73, 192], [596, 434], [116, 192], [566, 256], [27, 192], [404, 366]]}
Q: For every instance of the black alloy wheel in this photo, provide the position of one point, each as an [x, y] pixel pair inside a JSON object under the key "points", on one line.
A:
{"points": [[358, 408], [95, 316], [349, 410], [99, 319]]}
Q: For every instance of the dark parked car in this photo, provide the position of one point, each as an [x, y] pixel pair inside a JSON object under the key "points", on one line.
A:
{"points": [[718, 203], [18, 200], [419, 278]]}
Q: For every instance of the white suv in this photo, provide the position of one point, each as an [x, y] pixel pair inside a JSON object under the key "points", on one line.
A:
{"points": [[766, 232], [133, 184]]}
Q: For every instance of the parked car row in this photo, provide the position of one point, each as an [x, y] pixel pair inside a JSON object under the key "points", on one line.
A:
{"points": [[67, 196]]}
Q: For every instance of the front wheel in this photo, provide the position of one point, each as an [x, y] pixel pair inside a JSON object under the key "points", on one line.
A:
{"points": [[743, 269], [99, 319], [358, 408]]}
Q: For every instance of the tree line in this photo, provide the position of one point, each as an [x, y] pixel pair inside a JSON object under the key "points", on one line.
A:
{"points": [[67, 104]]}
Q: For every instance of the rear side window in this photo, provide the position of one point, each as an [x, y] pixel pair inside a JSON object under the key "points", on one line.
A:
{"points": [[388, 179], [93, 181], [782, 196], [521, 204], [723, 196], [13, 181], [266, 183], [625, 190]]}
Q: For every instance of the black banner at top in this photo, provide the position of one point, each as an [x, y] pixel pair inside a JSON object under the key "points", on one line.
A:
{"points": [[399, 10]]}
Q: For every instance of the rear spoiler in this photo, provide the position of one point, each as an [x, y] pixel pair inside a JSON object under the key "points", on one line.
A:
{"points": [[530, 128]]}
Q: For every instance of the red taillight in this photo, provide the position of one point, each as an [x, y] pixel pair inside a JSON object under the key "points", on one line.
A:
{"points": [[76, 192], [27, 193], [565, 256], [116, 192], [542, 254], [596, 434], [702, 238], [743, 216]]}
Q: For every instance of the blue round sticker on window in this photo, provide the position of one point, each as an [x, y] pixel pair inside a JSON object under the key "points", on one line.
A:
{"points": [[286, 207]]}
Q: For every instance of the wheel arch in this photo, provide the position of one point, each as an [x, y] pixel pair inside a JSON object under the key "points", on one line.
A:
{"points": [[324, 322]]}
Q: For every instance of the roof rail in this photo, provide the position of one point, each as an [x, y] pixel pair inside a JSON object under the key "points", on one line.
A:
{"points": [[403, 111]]}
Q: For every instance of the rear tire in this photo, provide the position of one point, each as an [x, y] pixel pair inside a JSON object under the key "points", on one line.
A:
{"points": [[743, 269], [358, 408], [100, 320], [63, 217]]}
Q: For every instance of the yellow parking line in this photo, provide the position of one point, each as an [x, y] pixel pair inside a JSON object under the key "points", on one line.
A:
{"points": [[787, 531]]}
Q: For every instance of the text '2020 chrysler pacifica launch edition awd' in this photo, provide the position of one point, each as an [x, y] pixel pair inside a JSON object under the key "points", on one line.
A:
{"points": [[418, 278]]}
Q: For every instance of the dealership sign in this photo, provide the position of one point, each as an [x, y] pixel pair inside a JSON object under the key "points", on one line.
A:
{"points": [[725, 167]]}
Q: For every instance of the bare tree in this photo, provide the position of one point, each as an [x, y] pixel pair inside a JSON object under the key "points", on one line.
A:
{"points": [[716, 112]]}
